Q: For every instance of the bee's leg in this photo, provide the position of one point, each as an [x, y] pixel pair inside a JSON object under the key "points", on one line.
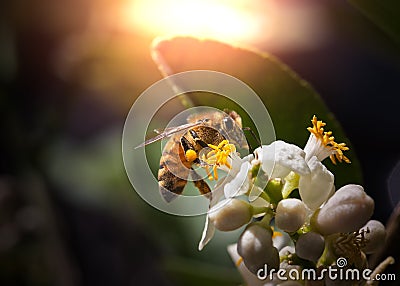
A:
{"points": [[201, 185], [254, 136], [186, 145], [201, 143]]}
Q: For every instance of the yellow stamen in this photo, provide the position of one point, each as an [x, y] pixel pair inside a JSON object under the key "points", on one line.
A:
{"points": [[208, 172], [215, 172], [218, 156], [328, 141]]}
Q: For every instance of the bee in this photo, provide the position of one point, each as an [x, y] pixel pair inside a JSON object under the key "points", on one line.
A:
{"points": [[185, 144]]}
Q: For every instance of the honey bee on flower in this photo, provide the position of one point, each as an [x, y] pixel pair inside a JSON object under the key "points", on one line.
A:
{"points": [[202, 142]]}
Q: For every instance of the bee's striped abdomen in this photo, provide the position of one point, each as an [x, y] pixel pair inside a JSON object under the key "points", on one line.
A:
{"points": [[174, 170]]}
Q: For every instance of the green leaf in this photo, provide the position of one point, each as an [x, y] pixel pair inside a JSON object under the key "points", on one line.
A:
{"points": [[290, 100], [384, 13]]}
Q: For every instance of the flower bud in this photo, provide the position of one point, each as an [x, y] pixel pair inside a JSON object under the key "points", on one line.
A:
{"points": [[346, 211], [290, 214], [230, 214], [310, 246], [274, 190], [256, 249], [375, 235]]}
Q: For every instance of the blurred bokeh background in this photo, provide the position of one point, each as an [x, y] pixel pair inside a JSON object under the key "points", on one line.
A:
{"points": [[70, 71]]}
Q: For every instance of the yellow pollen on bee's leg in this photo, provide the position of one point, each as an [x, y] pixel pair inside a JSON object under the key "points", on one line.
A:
{"points": [[191, 155]]}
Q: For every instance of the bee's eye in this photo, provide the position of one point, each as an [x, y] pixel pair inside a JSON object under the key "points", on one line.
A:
{"points": [[228, 123]]}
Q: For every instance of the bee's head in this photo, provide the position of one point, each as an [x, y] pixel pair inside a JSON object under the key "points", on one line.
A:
{"points": [[233, 116], [227, 123], [232, 126]]}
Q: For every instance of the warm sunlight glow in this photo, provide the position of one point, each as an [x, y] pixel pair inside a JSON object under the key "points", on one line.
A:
{"points": [[218, 19]]}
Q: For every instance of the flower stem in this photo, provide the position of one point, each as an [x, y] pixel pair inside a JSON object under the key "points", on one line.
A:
{"points": [[265, 221], [260, 210]]}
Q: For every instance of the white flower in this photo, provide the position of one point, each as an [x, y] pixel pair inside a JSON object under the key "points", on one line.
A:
{"points": [[209, 228], [322, 144], [279, 158], [235, 163], [315, 188], [319, 186]]}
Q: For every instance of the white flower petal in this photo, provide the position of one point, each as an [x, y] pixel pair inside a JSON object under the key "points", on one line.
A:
{"points": [[315, 147], [209, 228], [281, 241], [239, 185], [208, 233], [316, 188], [279, 158], [248, 158]]}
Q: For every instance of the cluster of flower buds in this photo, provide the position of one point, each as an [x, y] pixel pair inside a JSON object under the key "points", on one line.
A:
{"points": [[294, 216]]}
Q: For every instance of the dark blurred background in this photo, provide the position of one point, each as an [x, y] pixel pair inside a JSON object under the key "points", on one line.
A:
{"points": [[69, 72]]}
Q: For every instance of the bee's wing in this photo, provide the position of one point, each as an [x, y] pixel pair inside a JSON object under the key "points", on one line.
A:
{"points": [[170, 131]]}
